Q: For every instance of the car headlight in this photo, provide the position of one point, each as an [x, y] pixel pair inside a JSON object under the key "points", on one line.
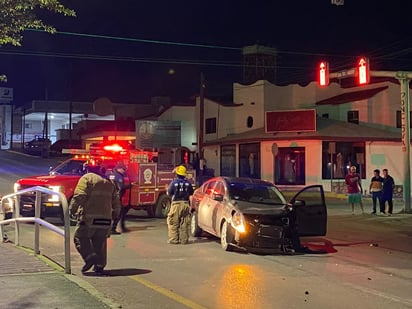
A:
{"points": [[238, 222], [55, 197], [16, 187]]}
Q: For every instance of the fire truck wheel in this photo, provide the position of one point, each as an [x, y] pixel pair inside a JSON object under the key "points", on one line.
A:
{"points": [[162, 206], [151, 211], [195, 230]]}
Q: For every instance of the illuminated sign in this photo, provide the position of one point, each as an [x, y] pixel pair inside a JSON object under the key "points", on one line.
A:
{"points": [[290, 121], [363, 71], [323, 74]]}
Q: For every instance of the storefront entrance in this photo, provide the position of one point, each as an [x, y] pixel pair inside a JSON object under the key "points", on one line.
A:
{"points": [[289, 166]]}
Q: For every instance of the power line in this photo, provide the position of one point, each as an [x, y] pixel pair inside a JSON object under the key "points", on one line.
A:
{"points": [[96, 36], [131, 59]]}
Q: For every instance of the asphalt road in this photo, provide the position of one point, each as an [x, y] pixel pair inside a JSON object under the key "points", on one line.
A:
{"points": [[15, 165], [367, 265]]}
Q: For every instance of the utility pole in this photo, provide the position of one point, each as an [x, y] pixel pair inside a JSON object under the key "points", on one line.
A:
{"points": [[201, 121]]}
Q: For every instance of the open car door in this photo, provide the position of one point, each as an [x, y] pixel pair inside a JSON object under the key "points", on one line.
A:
{"points": [[310, 213]]}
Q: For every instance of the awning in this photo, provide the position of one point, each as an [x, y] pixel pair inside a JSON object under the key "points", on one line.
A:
{"points": [[351, 96]]}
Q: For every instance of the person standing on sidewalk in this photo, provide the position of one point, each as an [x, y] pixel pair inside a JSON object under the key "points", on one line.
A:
{"points": [[118, 176], [387, 195], [354, 186], [178, 218], [375, 188], [95, 203]]}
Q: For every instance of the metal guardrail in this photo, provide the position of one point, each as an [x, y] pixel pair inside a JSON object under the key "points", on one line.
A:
{"points": [[17, 219]]}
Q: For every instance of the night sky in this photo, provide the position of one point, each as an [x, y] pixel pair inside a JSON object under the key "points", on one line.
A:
{"points": [[144, 41]]}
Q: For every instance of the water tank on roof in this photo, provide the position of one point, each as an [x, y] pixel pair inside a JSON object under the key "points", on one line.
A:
{"points": [[259, 63]]}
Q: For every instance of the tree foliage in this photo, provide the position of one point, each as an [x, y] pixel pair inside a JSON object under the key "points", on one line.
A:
{"points": [[18, 15]]}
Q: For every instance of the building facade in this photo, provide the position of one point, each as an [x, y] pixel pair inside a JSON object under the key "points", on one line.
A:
{"points": [[358, 126]]}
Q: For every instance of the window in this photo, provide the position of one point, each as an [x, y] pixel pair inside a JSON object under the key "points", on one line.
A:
{"points": [[249, 160], [228, 160], [28, 125], [249, 122], [210, 125], [399, 119], [345, 155], [209, 188], [325, 115], [289, 166], [353, 117]]}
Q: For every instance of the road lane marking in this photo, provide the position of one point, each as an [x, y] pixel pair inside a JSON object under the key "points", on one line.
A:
{"points": [[178, 298]]}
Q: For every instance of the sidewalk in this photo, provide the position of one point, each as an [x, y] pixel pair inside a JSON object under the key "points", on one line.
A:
{"points": [[27, 281]]}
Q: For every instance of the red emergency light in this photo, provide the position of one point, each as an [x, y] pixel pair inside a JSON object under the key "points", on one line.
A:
{"points": [[363, 71], [113, 148], [323, 74]]}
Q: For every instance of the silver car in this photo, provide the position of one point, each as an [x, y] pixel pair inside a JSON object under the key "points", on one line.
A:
{"points": [[254, 215]]}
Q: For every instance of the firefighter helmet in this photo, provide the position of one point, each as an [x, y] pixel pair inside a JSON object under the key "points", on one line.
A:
{"points": [[181, 170]]}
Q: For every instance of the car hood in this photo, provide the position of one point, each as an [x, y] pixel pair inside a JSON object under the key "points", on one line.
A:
{"points": [[260, 209], [44, 180]]}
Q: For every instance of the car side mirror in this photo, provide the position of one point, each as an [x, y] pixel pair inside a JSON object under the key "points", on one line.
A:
{"points": [[299, 203], [218, 197]]}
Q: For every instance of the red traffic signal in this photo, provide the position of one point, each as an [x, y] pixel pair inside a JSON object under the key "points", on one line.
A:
{"points": [[362, 68], [323, 74]]}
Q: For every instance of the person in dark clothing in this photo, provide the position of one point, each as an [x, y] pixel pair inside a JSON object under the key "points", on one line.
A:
{"points": [[178, 218], [387, 192], [375, 188], [95, 204], [118, 175]]}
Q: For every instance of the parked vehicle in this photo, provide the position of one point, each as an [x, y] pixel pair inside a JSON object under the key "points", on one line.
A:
{"points": [[149, 180], [58, 146], [254, 215], [38, 146]]}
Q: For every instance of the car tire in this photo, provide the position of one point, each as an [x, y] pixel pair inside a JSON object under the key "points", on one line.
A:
{"points": [[162, 206], [195, 230], [226, 236]]}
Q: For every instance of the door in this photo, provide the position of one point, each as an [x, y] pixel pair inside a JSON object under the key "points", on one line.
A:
{"points": [[206, 206], [310, 211]]}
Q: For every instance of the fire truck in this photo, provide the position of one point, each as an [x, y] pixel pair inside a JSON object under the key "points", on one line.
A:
{"points": [[149, 179]]}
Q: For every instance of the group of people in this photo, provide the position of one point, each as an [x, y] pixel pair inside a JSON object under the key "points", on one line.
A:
{"points": [[97, 205], [381, 189]]}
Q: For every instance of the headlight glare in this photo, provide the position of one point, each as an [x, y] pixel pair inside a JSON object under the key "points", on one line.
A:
{"points": [[55, 197], [238, 222]]}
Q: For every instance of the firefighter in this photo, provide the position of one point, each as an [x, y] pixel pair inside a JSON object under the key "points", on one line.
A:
{"points": [[95, 203], [118, 175], [178, 218]]}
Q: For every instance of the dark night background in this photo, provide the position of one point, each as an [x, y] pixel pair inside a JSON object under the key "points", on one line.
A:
{"points": [[128, 69]]}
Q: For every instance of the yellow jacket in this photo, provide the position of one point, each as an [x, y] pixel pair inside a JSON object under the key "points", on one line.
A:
{"points": [[95, 201]]}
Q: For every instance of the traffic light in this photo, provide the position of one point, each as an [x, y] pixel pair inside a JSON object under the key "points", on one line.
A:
{"points": [[362, 69], [323, 74]]}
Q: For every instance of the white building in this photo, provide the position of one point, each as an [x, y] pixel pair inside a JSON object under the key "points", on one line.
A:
{"points": [[360, 126]]}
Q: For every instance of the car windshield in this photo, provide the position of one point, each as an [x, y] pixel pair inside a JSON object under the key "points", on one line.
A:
{"points": [[70, 167], [256, 193], [75, 167]]}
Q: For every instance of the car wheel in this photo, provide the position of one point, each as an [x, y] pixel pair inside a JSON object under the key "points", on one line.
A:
{"points": [[195, 230], [162, 206], [226, 236]]}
